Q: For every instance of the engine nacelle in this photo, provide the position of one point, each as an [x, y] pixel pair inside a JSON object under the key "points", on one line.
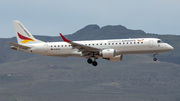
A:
{"points": [[116, 58], [108, 53]]}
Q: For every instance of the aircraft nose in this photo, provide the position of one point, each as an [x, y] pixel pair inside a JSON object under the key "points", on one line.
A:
{"points": [[170, 47]]}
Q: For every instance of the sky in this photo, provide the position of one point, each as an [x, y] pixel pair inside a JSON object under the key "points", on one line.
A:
{"points": [[51, 17]]}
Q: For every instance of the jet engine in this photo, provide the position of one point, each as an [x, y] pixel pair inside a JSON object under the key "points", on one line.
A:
{"points": [[108, 53]]}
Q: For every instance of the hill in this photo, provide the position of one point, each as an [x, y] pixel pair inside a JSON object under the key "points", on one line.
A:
{"points": [[44, 78]]}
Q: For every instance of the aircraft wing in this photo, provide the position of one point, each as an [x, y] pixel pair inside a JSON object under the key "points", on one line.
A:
{"points": [[18, 45], [83, 48]]}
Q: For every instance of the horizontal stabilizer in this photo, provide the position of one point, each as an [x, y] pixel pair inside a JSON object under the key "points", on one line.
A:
{"points": [[18, 45]]}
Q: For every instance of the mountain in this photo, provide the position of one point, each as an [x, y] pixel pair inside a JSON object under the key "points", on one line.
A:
{"points": [[92, 32], [31, 77]]}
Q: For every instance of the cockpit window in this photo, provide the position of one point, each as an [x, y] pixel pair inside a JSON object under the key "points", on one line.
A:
{"points": [[160, 41]]}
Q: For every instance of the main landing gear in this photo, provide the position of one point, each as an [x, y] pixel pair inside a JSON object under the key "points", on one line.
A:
{"points": [[90, 61], [154, 55]]}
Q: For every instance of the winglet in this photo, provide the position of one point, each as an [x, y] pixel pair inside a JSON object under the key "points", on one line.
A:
{"points": [[66, 40]]}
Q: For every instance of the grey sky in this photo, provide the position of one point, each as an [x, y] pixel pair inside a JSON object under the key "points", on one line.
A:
{"points": [[50, 17]]}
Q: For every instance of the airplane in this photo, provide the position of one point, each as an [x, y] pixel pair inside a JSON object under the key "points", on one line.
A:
{"points": [[111, 49]]}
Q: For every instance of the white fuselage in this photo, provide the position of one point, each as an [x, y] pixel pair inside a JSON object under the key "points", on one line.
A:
{"points": [[122, 46]]}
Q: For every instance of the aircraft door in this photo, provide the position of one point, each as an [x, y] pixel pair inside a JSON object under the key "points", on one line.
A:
{"points": [[46, 47], [150, 43]]}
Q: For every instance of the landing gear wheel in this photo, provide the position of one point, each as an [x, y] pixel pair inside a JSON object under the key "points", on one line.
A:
{"points": [[89, 61], [155, 59], [94, 63], [154, 55]]}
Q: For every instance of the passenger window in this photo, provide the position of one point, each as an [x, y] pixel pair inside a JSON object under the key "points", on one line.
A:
{"points": [[119, 43], [109, 43], [100, 43], [65, 45], [54, 45], [127, 42], [61, 45], [142, 42], [134, 42], [104, 43], [97, 44]]}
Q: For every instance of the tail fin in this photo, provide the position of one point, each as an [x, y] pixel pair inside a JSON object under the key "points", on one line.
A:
{"points": [[23, 35]]}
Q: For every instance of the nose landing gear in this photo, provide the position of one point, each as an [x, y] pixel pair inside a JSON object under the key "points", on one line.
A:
{"points": [[154, 55], [155, 59]]}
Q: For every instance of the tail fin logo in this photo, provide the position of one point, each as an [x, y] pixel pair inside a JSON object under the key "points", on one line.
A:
{"points": [[25, 39]]}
